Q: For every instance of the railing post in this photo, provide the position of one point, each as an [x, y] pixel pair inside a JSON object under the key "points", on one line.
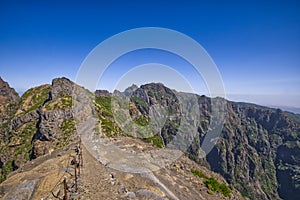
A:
{"points": [[65, 189], [80, 152], [75, 161], [78, 164]]}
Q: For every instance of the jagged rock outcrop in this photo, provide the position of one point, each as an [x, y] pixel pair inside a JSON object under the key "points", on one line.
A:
{"points": [[42, 121], [61, 87], [128, 91], [55, 112], [8, 93], [9, 100], [23, 119], [102, 93], [49, 124]]}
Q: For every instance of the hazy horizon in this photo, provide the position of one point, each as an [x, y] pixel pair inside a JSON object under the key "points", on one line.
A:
{"points": [[255, 45]]}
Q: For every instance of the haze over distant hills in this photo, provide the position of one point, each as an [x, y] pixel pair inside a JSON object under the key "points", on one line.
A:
{"points": [[287, 108]]}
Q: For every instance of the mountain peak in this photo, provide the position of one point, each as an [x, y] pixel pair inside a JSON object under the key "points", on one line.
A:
{"points": [[62, 86], [128, 91], [102, 93], [7, 92]]}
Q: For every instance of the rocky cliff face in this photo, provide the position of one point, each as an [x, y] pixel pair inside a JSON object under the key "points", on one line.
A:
{"points": [[55, 118], [9, 101], [7, 93], [41, 122], [258, 151], [102, 93], [251, 151]]}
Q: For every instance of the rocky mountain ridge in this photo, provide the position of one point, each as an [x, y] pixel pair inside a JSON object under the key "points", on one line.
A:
{"points": [[41, 133], [257, 153]]}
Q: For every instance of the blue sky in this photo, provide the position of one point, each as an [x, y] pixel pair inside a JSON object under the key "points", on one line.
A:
{"points": [[255, 44]]}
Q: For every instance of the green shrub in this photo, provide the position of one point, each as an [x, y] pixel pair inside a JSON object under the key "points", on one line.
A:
{"points": [[68, 128], [214, 185], [199, 174], [38, 96], [142, 121], [139, 101], [210, 192], [156, 141], [6, 169], [104, 106]]}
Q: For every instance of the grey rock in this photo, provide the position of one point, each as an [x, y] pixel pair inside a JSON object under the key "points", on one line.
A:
{"points": [[9, 93], [22, 191], [23, 119], [102, 93], [61, 87]]}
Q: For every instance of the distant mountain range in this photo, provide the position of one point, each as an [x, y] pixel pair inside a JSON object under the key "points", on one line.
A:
{"points": [[287, 108], [258, 152]]}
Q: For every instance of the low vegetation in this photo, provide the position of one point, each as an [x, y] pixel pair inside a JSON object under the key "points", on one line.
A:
{"points": [[24, 138], [142, 121], [6, 169], [139, 102], [109, 127], [20, 145], [103, 106], [199, 174], [68, 128], [33, 98], [62, 102], [155, 141], [212, 184]]}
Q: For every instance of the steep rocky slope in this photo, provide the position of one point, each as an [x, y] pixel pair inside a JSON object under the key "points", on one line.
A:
{"points": [[258, 149], [9, 101], [42, 121]]}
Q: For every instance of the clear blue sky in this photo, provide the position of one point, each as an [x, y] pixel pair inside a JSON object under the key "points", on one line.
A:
{"points": [[255, 44]]}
